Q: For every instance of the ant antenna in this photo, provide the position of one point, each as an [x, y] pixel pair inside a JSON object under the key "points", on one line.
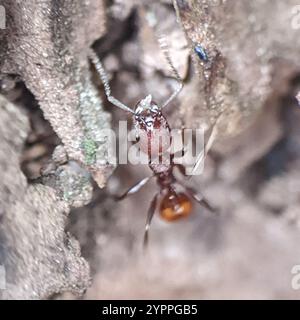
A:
{"points": [[103, 76], [165, 50]]}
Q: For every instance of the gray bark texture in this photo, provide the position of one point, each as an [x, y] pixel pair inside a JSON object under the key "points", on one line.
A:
{"points": [[40, 259], [45, 44], [53, 147]]}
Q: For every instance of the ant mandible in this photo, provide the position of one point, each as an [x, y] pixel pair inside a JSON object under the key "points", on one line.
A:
{"points": [[148, 121]]}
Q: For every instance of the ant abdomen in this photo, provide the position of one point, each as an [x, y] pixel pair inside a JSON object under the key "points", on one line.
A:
{"points": [[175, 206]]}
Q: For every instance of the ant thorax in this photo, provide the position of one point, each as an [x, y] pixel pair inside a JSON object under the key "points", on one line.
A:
{"points": [[152, 129]]}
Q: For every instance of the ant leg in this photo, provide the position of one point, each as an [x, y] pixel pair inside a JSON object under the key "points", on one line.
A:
{"points": [[165, 50], [133, 189], [103, 76], [199, 198], [150, 215]]}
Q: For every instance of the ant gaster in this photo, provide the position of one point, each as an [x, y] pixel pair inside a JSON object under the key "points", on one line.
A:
{"points": [[148, 119]]}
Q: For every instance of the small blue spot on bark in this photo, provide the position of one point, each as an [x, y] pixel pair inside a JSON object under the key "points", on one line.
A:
{"points": [[201, 53]]}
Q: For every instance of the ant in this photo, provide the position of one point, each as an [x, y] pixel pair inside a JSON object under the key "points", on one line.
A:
{"points": [[149, 121]]}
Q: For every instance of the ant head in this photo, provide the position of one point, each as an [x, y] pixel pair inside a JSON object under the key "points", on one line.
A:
{"points": [[147, 111]]}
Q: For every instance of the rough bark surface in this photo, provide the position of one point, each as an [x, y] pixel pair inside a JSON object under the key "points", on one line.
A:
{"points": [[46, 44], [40, 259]]}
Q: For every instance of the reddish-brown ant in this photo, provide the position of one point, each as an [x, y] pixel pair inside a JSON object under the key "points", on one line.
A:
{"points": [[149, 121]]}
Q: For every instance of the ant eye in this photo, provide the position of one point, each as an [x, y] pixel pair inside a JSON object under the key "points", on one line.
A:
{"points": [[175, 206]]}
